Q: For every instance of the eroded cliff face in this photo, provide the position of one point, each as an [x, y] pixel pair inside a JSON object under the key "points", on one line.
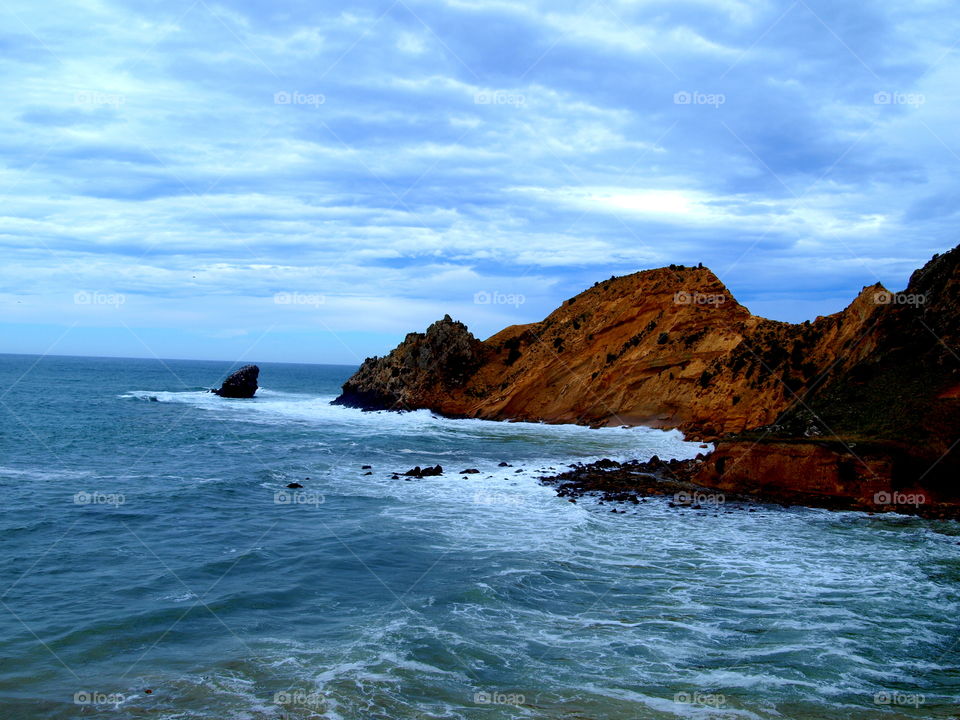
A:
{"points": [[671, 348], [665, 348], [889, 411]]}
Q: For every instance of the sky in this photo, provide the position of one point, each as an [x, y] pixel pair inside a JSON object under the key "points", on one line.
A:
{"points": [[308, 182]]}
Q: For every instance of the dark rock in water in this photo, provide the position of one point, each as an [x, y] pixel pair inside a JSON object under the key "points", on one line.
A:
{"points": [[241, 384], [469, 471], [419, 472], [368, 473], [294, 485], [504, 464], [366, 467]]}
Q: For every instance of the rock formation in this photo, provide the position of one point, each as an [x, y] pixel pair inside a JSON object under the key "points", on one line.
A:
{"points": [[425, 370], [882, 420], [672, 348], [240, 384]]}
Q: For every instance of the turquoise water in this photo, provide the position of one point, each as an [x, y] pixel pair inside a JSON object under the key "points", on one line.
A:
{"points": [[149, 543]]}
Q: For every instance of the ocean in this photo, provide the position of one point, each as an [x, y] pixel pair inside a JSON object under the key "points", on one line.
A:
{"points": [[155, 565]]}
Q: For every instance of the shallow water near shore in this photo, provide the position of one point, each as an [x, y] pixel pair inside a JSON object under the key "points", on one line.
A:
{"points": [[149, 543]]}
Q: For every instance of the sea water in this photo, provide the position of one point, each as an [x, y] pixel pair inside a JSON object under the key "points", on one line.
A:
{"points": [[155, 565]]}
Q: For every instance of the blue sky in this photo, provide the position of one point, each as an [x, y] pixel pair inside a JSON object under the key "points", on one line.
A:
{"points": [[310, 181]]}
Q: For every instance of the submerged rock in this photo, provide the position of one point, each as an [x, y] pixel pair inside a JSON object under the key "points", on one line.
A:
{"points": [[419, 472], [240, 384]]}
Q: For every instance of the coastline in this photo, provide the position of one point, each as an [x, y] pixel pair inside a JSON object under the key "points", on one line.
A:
{"points": [[690, 483]]}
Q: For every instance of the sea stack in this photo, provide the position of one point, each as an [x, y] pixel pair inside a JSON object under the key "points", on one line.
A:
{"points": [[240, 384]]}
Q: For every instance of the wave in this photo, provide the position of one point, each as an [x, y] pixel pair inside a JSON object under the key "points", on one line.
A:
{"points": [[575, 441]]}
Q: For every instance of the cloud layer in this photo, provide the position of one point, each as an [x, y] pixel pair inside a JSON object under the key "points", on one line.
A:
{"points": [[326, 177]]}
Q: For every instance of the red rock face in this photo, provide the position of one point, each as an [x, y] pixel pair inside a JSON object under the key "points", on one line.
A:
{"points": [[672, 348], [877, 477], [664, 348], [815, 469]]}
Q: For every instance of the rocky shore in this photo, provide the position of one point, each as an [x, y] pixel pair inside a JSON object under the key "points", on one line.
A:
{"points": [[689, 485], [849, 409]]}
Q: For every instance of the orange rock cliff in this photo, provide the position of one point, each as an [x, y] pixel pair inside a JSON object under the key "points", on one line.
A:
{"points": [[672, 348]]}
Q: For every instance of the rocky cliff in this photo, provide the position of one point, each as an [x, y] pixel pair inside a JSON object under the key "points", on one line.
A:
{"points": [[672, 348], [889, 412], [425, 371], [665, 348]]}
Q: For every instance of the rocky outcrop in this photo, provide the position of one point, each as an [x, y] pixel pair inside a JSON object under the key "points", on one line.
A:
{"points": [[425, 370], [672, 348], [881, 424], [664, 348], [240, 384]]}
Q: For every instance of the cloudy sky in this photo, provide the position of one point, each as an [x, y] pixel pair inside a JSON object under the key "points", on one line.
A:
{"points": [[309, 181]]}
